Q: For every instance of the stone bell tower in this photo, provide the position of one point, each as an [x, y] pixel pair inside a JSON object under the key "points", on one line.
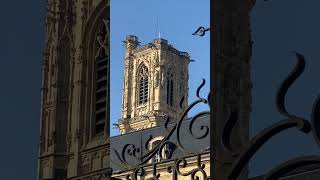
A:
{"points": [[155, 81]]}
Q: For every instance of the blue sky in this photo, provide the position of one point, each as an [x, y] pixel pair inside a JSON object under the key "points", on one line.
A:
{"points": [[177, 20]]}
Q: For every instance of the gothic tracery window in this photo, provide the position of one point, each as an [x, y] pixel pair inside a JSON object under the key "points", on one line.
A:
{"points": [[164, 152], [170, 88], [157, 157], [143, 85], [101, 65]]}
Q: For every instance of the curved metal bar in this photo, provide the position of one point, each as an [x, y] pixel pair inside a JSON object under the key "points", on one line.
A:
{"points": [[291, 165], [155, 175], [201, 31], [123, 163], [133, 151], [200, 87], [199, 100], [176, 128], [182, 163], [165, 151], [167, 123], [206, 131], [152, 153], [182, 118], [181, 102], [280, 101], [259, 140], [315, 120], [227, 130], [281, 94], [148, 155], [146, 146], [137, 172], [268, 133]]}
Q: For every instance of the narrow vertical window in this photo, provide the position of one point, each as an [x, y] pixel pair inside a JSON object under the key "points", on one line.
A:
{"points": [[170, 88], [101, 66], [157, 157], [171, 92], [162, 153], [143, 85]]}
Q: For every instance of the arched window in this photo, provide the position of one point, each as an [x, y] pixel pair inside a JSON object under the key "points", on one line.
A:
{"points": [[157, 156], [170, 88], [92, 72], [163, 153], [101, 76], [143, 85]]}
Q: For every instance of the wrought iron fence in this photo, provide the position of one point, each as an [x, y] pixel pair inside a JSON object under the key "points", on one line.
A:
{"points": [[290, 121], [174, 166]]}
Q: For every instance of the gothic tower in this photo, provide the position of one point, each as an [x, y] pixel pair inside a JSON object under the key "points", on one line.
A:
{"points": [[74, 132], [155, 81]]}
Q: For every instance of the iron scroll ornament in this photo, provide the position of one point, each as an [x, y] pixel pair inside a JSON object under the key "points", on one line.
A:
{"points": [[201, 31], [265, 135], [131, 150]]}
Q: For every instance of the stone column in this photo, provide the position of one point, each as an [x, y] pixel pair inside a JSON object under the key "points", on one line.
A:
{"points": [[231, 84]]}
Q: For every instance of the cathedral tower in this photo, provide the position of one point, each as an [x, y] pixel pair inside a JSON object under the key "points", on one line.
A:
{"points": [[155, 81], [74, 141]]}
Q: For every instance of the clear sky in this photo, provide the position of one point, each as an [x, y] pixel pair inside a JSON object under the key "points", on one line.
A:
{"points": [[177, 20]]}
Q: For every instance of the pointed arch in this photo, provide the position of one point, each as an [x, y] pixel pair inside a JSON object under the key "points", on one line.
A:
{"points": [[143, 84], [95, 73]]}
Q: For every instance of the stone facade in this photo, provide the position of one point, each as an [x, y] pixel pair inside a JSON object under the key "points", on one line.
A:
{"points": [[166, 73], [73, 138]]}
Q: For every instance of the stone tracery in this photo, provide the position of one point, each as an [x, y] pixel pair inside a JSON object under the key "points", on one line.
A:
{"points": [[77, 37], [143, 84]]}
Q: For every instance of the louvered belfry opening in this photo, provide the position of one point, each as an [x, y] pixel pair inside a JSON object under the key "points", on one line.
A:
{"points": [[170, 88], [143, 85], [101, 80]]}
